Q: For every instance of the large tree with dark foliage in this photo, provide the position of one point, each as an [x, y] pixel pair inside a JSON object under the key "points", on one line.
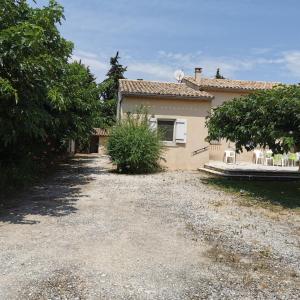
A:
{"points": [[269, 118], [109, 91], [44, 99], [218, 74]]}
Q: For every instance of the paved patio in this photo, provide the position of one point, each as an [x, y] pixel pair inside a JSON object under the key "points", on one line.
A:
{"points": [[251, 171], [246, 166]]}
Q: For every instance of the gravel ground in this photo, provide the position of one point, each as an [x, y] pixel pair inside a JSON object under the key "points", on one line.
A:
{"points": [[88, 233]]}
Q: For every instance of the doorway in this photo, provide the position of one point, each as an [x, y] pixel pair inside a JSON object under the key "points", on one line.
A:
{"points": [[94, 144]]}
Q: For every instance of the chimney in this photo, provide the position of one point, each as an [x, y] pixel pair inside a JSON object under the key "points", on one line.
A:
{"points": [[198, 73]]}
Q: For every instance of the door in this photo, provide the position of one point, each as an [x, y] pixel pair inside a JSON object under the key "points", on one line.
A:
{"points": [[94, 144]]}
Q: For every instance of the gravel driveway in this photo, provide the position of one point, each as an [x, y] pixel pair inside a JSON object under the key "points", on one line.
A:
{"points": [[88, 233]]}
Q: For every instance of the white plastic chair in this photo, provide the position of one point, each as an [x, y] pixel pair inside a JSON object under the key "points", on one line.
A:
{"points": [[279, 160], [229, 155], [298, 156], [285, 160], [269, 158], [292, 159], [258, 156]]}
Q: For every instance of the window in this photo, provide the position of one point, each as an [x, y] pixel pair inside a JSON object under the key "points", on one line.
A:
{"points": [[173, 131], [166, 127]]}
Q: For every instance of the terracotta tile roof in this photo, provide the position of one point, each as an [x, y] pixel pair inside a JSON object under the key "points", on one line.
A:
{"points": [[154, 88], [100, 132], [210, 84]]}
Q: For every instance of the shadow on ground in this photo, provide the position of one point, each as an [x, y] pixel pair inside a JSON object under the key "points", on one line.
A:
{"points": [[284, 194], [55, 196]]}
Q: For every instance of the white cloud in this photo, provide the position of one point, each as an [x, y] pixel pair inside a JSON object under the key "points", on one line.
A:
{"points": [[231, 66], [292, 62], [162, 65], [189, 61], [86, 54], [260, 51], [92, 60], [152, 70], [93, 63]]}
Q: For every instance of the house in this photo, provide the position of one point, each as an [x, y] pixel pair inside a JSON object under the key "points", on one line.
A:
{"points": [[98, 141], [180, 110]]}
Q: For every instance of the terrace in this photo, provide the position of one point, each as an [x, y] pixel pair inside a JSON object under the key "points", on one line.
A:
{"points": [[248, 170]]}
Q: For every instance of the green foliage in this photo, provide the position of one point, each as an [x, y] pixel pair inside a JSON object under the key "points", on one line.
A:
{"points": [[32, 56], [265, 118], [109, 91], [218, 74], [76, 102], [108, 110], [45, 100], [133, 146]]}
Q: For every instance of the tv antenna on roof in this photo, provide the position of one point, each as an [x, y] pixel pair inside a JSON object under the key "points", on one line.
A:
{"points": [[178, 74]]}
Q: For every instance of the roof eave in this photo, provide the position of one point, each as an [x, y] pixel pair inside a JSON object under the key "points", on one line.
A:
{"points": [[209, 98], [230, 89]]}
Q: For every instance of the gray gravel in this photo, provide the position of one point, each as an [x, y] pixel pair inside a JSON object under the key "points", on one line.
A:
{"points": [[88, 233]]}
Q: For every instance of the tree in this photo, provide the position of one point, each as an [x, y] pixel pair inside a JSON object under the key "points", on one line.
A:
{"points": [[32, 56], [269, 118], [76, 102], [45, 100], [109, 90], [218, 74]]}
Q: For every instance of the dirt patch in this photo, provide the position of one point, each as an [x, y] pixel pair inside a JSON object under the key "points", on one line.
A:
{"points": [[62, 284]]}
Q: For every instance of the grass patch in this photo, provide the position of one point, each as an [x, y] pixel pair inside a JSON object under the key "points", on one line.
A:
{"points": [[268, 194]]}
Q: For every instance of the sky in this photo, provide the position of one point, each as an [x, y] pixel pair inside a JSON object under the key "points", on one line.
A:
{"points": [[246, 39]]}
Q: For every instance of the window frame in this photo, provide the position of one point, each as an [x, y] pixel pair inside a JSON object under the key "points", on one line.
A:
{"points": [[173, 142]]}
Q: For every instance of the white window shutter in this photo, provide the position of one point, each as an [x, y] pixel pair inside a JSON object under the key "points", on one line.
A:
{"points": [[181, 130], [153, 124]]}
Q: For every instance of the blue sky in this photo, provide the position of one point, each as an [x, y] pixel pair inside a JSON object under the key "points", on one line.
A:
{"points": [[247, 39]]}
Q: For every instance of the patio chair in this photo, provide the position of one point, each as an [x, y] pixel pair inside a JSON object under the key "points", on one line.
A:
{"points": [[269, 158], [292, 159], [229, 155], [258, 156], [278, 160]]}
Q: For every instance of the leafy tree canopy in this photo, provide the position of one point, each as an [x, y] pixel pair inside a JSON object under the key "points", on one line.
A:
{"points": [[45, 99], [265, 118], [33, 56], [76, 101]]}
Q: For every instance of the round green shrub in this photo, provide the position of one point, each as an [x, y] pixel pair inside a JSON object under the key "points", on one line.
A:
{"points": [[134, 147]]}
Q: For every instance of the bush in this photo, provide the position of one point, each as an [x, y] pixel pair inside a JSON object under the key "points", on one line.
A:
{"points": [[133, 146]]}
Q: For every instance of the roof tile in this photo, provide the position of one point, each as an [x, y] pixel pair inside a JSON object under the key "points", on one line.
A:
{"points": [[208, 83], [154, 88], [100, 132]]}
